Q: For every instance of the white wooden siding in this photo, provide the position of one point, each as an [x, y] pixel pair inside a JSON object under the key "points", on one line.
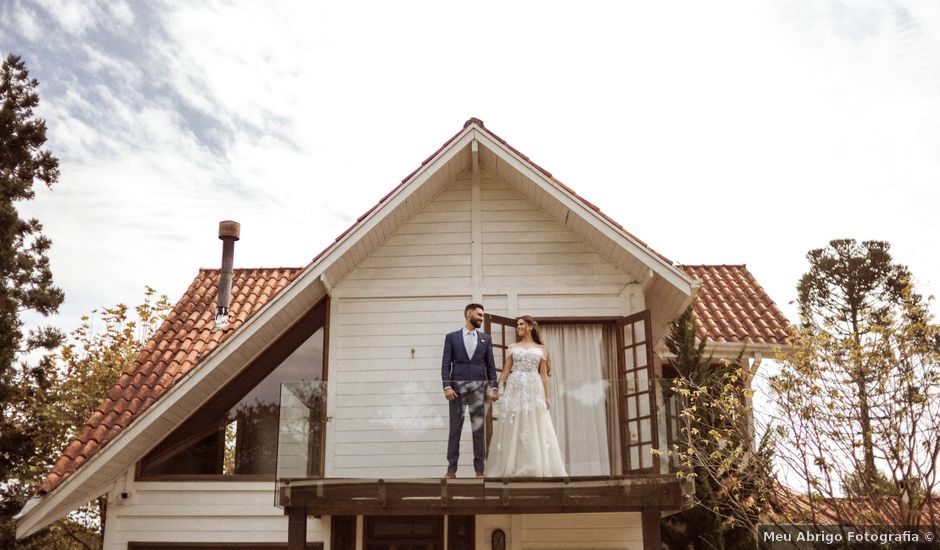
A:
{"points": [[200, 512], [563, 531], [526, 246], [389, 316], [389, 416], [432, 244]]}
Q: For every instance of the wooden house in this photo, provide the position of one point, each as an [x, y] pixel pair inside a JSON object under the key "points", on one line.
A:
{"points": [[315, 419]]}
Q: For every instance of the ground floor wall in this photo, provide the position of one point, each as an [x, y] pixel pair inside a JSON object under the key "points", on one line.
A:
{"points": [[231, 513], [562, 531], [199, 512]]}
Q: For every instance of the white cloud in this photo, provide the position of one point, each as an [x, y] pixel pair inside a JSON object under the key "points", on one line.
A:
{"points": [[734, 133], [76, 18], [25, 20], [121, 12]]}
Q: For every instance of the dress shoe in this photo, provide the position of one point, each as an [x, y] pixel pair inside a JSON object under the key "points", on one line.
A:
{"points": [[450, 475], [480, 474]]}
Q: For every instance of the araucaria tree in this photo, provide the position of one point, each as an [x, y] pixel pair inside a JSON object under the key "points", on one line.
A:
{"points": [[858, 395], [25, 278]]}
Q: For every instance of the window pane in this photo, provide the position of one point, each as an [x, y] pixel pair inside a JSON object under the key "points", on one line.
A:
{"points": [[645, 430], [244, 440], [628, 334], [257, 412]]}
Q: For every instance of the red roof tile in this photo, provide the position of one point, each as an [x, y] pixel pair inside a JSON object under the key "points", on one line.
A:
{"points": [[733, 307], [175, 349]]}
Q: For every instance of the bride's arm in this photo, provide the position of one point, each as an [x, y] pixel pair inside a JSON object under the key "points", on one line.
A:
{"points": [[543, 372], [507, 367]]}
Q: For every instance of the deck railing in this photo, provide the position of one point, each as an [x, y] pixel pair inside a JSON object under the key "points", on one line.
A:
{"points": [[399, 429]]}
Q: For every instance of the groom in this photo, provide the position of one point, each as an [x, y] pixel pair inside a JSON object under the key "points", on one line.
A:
{"points": [[468, 372]]}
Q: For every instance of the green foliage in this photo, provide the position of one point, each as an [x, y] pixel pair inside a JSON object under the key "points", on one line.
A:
{"points": [[850, 284], [859, 391], [25, 277], [850, 290], [716, 447], [60, 397]]}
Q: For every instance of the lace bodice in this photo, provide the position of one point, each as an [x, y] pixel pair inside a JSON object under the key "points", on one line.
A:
{"points": [[526, 360]]}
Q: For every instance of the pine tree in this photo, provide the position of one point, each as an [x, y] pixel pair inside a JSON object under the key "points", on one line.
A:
{"points": [[25, 277]]}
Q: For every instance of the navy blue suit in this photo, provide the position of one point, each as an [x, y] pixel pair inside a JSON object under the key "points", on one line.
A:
{"points": [[468, 377]]}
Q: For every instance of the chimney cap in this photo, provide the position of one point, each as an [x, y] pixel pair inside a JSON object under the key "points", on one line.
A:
{"points": [[229, 229]]}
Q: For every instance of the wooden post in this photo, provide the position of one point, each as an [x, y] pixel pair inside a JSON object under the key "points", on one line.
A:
{"points": [[296, 527], [652, 537]]}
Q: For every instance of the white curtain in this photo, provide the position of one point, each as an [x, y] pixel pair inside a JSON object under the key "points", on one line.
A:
{"points": [[580, 357]]}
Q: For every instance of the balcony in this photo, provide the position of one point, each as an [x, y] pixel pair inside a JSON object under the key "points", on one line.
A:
{"points": [[388, 441]]}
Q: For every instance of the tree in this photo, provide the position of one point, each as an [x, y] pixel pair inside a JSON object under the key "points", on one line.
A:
{"points": [[733, 476], [848, 289], [868, 349], [858, 394], [25, 277], [63, 396]]}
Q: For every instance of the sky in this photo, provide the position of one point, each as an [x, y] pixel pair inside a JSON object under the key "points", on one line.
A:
{"points": [[717, 132]]}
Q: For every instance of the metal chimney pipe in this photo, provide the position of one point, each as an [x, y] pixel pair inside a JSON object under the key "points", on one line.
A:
{"points": [[229, 232]]}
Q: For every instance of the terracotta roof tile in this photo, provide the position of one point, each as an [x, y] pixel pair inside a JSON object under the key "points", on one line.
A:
{"points": [[733, 307], [175, 349]]}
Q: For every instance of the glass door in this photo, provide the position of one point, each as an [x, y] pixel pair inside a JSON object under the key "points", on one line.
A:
{"points": [[637, 394]]}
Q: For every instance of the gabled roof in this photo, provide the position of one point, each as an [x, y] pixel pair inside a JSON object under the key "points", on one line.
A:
{"points": [[731, 307], [110, 445], [478, 124]]}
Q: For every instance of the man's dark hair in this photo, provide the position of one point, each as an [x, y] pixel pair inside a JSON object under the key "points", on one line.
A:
{"points": [[471, 307]]}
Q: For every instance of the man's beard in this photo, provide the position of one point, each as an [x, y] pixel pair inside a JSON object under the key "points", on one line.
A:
{"points": [[477, 323]]}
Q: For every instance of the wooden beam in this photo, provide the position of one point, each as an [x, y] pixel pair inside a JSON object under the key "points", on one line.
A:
{"points": [[491, 496], [296, 528], [652, 536], [476, 219]]}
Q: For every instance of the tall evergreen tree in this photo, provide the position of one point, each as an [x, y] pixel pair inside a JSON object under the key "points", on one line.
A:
{"points": [[25, 277], [848, 292]]}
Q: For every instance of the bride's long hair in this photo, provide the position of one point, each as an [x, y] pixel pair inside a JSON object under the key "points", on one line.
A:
{"points": [[534, 325], [537, 337]]}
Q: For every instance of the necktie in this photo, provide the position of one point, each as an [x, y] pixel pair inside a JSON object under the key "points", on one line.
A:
{"points": [[470, 342]]}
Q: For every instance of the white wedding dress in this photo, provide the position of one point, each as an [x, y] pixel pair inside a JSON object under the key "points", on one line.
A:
{"points": [[524, 442]]}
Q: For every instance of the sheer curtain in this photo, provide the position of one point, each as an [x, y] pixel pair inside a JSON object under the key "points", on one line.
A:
{"points": [[582, 359]]}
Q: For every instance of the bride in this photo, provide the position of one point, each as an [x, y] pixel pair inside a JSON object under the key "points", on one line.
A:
{"points": [[524, 442]]}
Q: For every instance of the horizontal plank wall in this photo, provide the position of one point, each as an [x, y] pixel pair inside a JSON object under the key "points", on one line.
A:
{"points": [[563, 531], [525, 248], [216, 512], [431, 249], [388, 413], [389, 315]]}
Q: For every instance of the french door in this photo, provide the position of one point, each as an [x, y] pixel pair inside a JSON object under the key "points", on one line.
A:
{"points": [[633, 392], [637, 394]]}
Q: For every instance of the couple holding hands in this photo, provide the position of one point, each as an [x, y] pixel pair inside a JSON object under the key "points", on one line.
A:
{"points": [[524, 443]]}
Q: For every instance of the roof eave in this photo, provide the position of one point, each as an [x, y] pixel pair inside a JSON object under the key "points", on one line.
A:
{"points": [[43, 510], [662, 268]]}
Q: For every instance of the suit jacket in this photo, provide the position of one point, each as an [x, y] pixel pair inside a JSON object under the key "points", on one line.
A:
{"points": [[457, 367]]}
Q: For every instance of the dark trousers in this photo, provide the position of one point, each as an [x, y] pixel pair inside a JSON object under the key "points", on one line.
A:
{"points": [[471, 395]]}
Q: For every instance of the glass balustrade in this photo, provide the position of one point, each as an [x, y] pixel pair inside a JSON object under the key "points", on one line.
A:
{"points": [[400, 429]]}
